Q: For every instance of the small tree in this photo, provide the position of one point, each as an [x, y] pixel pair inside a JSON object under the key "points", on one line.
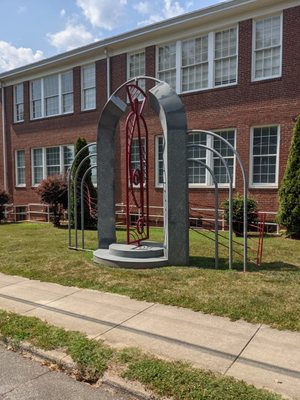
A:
{"points": [[4, 199], [90, 191], [54, 192], [238, 213], [289, 193]]}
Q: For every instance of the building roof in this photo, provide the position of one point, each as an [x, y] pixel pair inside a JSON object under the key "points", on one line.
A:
{"points": [[149, 33]]}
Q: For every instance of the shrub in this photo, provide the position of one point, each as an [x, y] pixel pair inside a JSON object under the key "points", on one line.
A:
{"points": [[238, 213], [289, 193], [4, 199], [54, 192]]}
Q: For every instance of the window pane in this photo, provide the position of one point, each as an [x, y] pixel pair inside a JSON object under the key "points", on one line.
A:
{"points": [[267, 47], [225, 66], [160, 160], [228, 155], [137, 68], [51, 106], [89, 98], [67, 82], [68, 157], [167, 64], [20, 167], [265, 155], [51, 86], [89, 76], [196, 172], [88, 86], [53, 161]]}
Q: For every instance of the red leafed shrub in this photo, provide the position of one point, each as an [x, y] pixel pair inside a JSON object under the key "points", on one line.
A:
{"points": [[54, 191]]}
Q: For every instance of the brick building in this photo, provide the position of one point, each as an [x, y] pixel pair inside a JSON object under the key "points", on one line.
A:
{"points": [[235, 66]]}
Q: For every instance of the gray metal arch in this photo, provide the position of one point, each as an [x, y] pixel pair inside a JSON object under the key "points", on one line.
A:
{"points": [[230, 192], [69, 178], [216, 209], [244, 186], [82, 202]]}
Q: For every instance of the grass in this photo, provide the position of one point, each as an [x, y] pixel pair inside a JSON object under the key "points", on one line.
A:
{"points": [[174, 379], [269, 294]]}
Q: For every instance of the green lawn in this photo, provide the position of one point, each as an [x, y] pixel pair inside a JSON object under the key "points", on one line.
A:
{"points": [[269, 294]]}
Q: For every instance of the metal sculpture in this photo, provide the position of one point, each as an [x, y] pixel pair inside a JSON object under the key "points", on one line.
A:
{"points": [[137, 187]]}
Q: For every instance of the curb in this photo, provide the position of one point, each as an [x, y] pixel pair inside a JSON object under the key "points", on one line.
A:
{"points": [[67, 365]]}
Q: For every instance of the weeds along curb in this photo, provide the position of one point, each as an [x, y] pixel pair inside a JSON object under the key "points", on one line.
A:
{"points": [[67, 365]]}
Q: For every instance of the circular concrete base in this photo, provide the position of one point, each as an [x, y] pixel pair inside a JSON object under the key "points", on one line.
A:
{"points": [[148, 255]]}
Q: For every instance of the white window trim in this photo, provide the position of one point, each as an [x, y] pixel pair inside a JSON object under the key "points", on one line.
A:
{"points": [[61, 160], [19, 185], [91, 87], [253, 78], [264, 185], [209, 159], [211, 60], [43, 98], [16, 121]]}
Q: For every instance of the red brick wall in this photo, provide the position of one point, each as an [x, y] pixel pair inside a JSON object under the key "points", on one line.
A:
{"points": [[241, 106]]}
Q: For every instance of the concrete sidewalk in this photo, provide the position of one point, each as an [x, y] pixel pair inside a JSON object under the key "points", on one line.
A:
{"points": [[257, 354]]}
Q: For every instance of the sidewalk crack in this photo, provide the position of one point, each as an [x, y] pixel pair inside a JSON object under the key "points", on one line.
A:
{"points": [[123, 322], [243, 349]]}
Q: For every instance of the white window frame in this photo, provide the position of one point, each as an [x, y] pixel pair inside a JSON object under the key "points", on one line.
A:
{"points": [[209, 160], [43, 102], [16, 119], [211, 60], [17, 167], [128, 61], [61, 161], [254, 79], [264, 185], [83, 89]]}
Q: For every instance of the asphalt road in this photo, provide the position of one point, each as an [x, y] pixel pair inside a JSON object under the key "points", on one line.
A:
{"points": [[25, 379]]}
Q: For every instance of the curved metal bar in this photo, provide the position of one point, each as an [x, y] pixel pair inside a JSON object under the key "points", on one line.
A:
{"points": [[244, 186], [216, 210], [69, 177], [82, 203], [135, 79], [75, 194], [230, 193]]}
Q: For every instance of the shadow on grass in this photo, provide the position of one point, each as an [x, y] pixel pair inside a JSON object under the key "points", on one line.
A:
{"points": [[209, 263]]}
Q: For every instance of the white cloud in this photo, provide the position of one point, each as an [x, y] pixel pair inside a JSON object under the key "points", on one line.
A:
{"points": [[13, 57], [105, 14], [62, 12], [71, 37], [156, 12]]}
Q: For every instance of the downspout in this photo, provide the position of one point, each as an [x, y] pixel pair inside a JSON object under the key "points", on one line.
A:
{"points": [[4, 138], [107, 73]]}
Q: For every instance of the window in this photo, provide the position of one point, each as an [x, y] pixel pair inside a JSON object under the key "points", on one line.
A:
{"points": [[267, 48], [198, 174], [136, 67], [200, 63], [218, 167], [194, 56], [52, 95], [19, 103], [226, 57], [20, 168], [159, 151], [265, 145], [48, 161], [88, 87], [93, 150], [38, 166], [167, 64]]}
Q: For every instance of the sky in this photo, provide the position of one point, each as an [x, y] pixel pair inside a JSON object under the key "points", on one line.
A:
{"points": [[31, 30]]}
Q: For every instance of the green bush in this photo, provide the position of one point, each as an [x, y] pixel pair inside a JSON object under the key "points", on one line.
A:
{"points": [[4, 199], [238, 213], [54, 191], [289, 193]]}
